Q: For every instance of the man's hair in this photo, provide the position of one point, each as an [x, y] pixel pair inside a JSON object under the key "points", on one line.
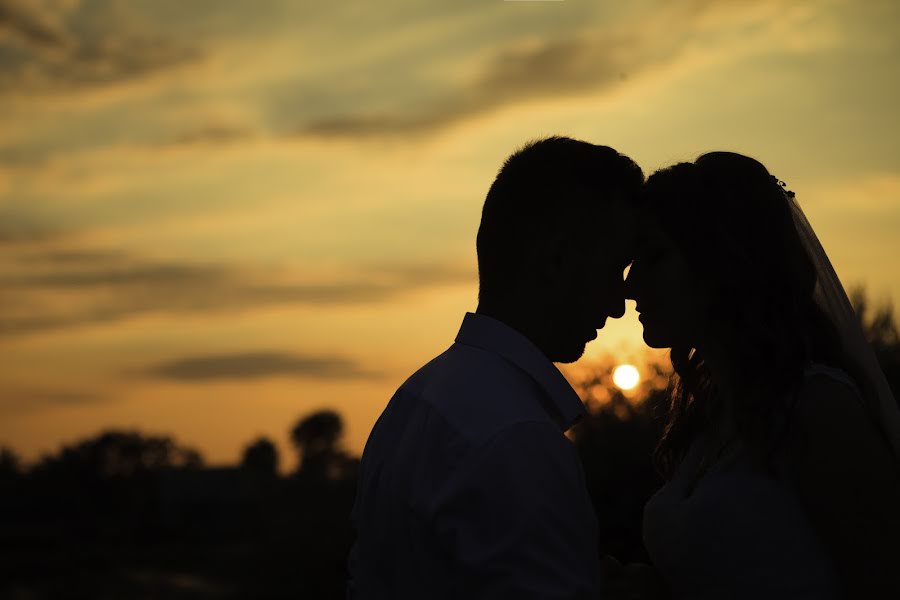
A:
{"points": [[548, 184]]}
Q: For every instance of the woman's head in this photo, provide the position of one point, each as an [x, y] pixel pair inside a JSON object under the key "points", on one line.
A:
{"points": [[719, 255], [722, 270]]}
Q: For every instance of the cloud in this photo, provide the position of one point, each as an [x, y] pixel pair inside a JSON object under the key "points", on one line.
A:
{"points": [[109, 270], [257, 365], [48, 47], [520, 72], [15, 398], [23, 20], [526, 68], [53, 288], [16, 230], [210, 135], [68, 257]]}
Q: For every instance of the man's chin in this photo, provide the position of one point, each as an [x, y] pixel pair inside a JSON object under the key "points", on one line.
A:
{"points": [[569, 355]]}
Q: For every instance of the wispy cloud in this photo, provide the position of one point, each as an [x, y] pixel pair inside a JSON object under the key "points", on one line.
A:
{"points": [[61, 47], [17, 230], [16, 398], [258, 365], [212, 134], [520, 72], [523, 69], [60, 287], [33, 23], [66, 46]]}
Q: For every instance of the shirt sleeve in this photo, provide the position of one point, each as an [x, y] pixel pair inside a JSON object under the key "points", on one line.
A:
{"points": [[516, 519]]}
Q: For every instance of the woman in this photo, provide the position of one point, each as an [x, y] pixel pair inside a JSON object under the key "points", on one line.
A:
{"points": [[782, 446]]}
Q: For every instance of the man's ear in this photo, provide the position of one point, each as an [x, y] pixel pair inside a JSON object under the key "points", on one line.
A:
{"points": [[569, 255]]}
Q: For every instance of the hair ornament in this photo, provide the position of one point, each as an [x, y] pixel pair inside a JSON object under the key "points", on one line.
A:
{"points": [[783, 187]]}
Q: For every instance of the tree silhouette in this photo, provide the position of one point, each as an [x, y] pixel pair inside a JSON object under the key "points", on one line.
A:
{"points": [[9, 462], [317, 438], [107, 477], [121, 453], [882, 332], [10, 468], [261, 458]]}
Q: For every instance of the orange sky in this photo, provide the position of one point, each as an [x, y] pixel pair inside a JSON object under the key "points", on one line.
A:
{"points": [[216, 216]]}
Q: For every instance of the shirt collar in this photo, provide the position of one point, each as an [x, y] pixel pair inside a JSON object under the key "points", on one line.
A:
{"points": [[487, 333]]}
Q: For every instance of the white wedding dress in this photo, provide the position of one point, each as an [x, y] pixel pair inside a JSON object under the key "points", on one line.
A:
{"points": [[739, 533]]}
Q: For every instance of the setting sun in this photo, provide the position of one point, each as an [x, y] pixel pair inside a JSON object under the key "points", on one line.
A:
{"points": [[626, 377]]}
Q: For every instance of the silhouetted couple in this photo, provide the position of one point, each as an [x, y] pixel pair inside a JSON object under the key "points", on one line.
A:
{"points": [[782, 445]]}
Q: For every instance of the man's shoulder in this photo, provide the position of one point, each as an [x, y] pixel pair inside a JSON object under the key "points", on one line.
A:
{"points": [[476, 392]]}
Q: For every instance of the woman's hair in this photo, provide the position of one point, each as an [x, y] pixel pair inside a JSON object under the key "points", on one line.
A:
{"points": [[731, 220]]}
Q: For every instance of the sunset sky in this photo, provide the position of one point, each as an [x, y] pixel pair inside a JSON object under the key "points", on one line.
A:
{"points": [[218, 215]]}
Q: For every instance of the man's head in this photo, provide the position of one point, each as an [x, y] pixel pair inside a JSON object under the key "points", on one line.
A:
{"points": [[556, 235]]}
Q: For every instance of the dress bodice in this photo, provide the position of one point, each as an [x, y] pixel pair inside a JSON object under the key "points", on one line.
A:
{"points": [[737, 532]]}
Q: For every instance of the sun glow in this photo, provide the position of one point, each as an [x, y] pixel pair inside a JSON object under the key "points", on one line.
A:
{"points": [[626, 377]]}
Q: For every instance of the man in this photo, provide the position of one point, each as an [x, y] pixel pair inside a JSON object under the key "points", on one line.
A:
{"points": [[469, 487]]}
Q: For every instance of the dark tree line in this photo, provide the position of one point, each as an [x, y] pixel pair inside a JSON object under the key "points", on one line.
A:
{"points": [[883, 334], [129, 515]]}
